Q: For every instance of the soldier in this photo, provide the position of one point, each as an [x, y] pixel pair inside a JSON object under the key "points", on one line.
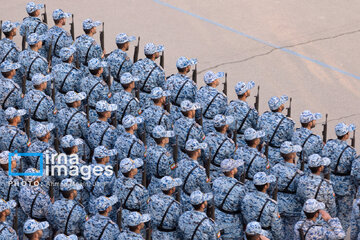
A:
{"points": [[33, 24], [42, 145], [228, 193], [35, 230], [311, 228], [132, 196], [136, 223], [254, 160], [277, 126], [150, 74], [95, 87], [100, 225], [304, 137], [119, 61], [220, 144], [355, 220], [126, 102], [57, 37], [165, 211], [8, 48], [241, 111], [181, 86], [86, 46], [10, 92], [127, 144], [213, 102], [192, 173], [65, 76], [103, 182], [64, 237], [6, 231], [258, 206], [342, 157], [185, 127], [100, 132], [31, 61], [159, 161], [288, 176], [11, 136], [67, 215], [156, 114], [194, 224], [254, 231], [314, 186], [40, 105], [9, 185]]}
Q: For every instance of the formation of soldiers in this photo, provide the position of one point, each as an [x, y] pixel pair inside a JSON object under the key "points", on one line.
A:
{"points": [[186, 163]]}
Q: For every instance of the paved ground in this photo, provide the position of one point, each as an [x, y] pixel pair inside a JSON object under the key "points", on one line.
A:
{"points": [[317, 65]]}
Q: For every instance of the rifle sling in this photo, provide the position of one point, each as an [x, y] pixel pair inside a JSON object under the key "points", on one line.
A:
{"points": [[288, 185], [186, 179], [178, 93], [127, 105], [55, 45], [128, 195], [162, 116], [68, 218], [37, 107], [68, 123], [224, 200], [217, 151], [8, 193], [197, 227], [87, 54], [188, 133], [262, 209], [243, 121], [12, 140], [103, 135], [91, 90], [29, 69], [157, 166], [103, 230], [118, 72], [93, 186], [208, 106], [7, 96], [318, 188], [63, 82], [32, 204], [339, 158], [4, 58], [37, 25], [147, 78], [248, 168], [163, 217], [277, 127], [131, 146], [303, 145]]}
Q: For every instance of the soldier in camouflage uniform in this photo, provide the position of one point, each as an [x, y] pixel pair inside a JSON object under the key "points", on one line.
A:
{"points": [[8, 48], [136, 222], [34, 229], [6, 231], [10, 92]]}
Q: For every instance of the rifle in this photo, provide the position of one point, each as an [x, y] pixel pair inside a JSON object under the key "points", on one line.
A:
{"points": [[49, 53], [51, 191], [136, 51], [1, 30], [114, 120], [167, 106], [148, 231], [84, 155], [56, 141], [15, 220], [119, 217], [143, 135], [44, 15], [107, 78], [175, 157], [23, 43], [27, 124], [257, 99], [162, 60], [275, 192], [137, 93], [144, 180], [324, 132], [210, 211], [200, 119], [353, 140], [102, 37], [23, 83], [225, 85], [289, 109], [72, 27], [235, 133], [194, 74]]}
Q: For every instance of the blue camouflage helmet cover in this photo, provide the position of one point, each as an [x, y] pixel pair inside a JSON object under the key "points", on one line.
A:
{"points": [[315, 160], [7, 26], [275, 102], [254, 228], [89, 24], [68, 184], [197, 197], [307, 116], [4, 157], [67, 52], [123, 38], [160, 132], [39, 78], [151, 48], [69, 141], [261, 178], [183, 62], [42, 129], [135, 218], [102, 152], [229, 164], [312, 205], [288, 147], [242, 87], [73, 96], [222, 120], [193, 145], [34, 38], [129, 121], [96, 63], [32, 7], [59, 14], [104, 106], [251, 134], [31, 171], [341, 129], [64, 237], [7, 66], [158, 92], [128, 164], [7, 205], [11, 113], [103, 203], [210, 76], [186, 106], [32, 226], [127, 78], [167, 183]]}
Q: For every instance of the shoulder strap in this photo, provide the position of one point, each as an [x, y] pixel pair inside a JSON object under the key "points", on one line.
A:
{"points": [[166, 211], [91, 90], [318, 188], [103, 135], [7, 54], [289, 183], [248, 168], [6, 98], [63, 82], [12, 140], [68, 123], [277, 127], [128, 195], [188, 133], [118, 72], [244, 120], [187, 177], [197, 227], [131, 146], [124, 111], [68, 218], [87, 54], [339, 158], [217, 151], [208, 106], [157, 165], [178, 93], [262, 209], [37, 107], [32, 204], [29, 69], [56, 42], [147, 78], [103, 230], [227, 194]]}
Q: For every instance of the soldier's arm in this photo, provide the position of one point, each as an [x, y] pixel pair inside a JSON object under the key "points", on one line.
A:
{"points": [[336, 231]]}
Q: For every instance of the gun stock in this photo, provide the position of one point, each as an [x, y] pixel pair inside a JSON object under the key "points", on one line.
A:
{"points": [[194, 74], [353, 139], [162, 60], [324, 132], [225, 85], [44, 15], [257, 99], [102, 37], [72, 27], [289, 109], [136, 51]]}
